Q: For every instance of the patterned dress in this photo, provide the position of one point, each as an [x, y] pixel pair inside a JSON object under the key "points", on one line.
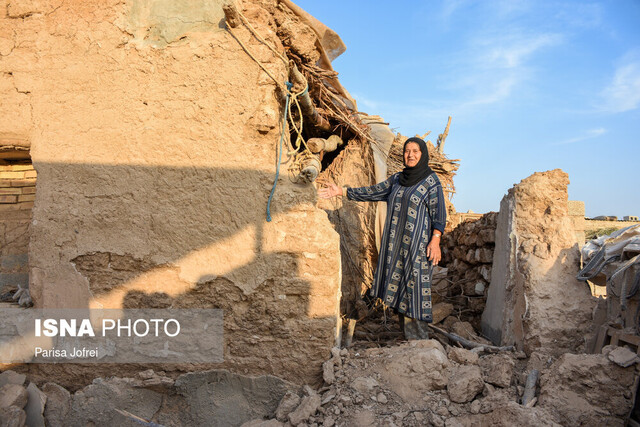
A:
{"points": [[403, 276]]}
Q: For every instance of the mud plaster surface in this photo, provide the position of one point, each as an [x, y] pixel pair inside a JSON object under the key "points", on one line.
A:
{"points": [[154, 143]]}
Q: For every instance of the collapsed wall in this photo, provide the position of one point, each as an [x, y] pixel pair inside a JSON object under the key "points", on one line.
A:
{"points": [[467, 254], [154, 136], [534, 299]]}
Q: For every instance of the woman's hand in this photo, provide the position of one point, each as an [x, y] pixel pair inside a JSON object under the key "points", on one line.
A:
{"points": [[433, 250], [329, 190]]}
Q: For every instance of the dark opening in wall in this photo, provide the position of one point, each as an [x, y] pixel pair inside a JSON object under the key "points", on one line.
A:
{"points": [[17, 195]]}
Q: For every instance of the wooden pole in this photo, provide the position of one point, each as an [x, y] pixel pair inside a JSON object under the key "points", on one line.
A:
{"points": [[530, 388], [443, 136]]}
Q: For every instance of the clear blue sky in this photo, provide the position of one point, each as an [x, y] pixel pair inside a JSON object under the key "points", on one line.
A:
{"points": [[532, 85]]}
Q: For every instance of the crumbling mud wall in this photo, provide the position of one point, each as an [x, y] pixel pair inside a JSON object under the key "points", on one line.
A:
{"points": [[534, 299], [153, 133]]}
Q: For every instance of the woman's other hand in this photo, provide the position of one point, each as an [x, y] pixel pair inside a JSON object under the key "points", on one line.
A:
{"points": [[433, 250], [329, 190]]}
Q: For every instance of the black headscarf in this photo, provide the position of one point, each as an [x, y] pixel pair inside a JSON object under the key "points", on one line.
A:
{"points": [[413, 175]]}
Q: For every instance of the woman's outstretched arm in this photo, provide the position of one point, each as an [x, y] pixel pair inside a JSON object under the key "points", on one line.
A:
{"points": [[375, 193]]}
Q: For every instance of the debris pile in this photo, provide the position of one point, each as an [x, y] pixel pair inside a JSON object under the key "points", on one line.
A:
{"points": [[468, 258], [417, 383]]}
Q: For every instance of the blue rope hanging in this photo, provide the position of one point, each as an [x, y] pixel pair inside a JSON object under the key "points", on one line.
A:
{"points": [[284, 129]]}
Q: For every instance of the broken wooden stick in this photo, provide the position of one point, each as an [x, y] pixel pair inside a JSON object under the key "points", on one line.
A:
{"points": [[471, 344], [306, 104], [137, 419], [443, 136], [351, 327], [530, 389]]}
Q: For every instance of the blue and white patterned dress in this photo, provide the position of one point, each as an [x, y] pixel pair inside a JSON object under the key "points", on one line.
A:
{"points": [[403, 276]]}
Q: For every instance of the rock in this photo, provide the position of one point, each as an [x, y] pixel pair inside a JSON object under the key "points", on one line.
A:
{"points": [[476, 305], [335, 353], [587, 389], [485, 272], [487, 236], [449, 322], [217, 397], [479, 288], [262, 423], [308, 406], [416, 370], [475, 407], [328, 374], [96, 403], [508, 414], [13, 395], [484, 255], [11, 377], [465, 382], [57, 406], [443, 411], [497, 369], [329, 421], [328, 397], [363, 418], [441, 311], [12, 417], [344, 352], [622, 356], [607, 349], [364, 385], [463, 356], [288, 404], [35, 406], [381, 398], [145, 375], [464, 329]]}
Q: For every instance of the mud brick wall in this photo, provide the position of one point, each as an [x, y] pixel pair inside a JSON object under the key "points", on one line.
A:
{"points": [[154, 135], [468, 257], [535, 300], [17, 193]]}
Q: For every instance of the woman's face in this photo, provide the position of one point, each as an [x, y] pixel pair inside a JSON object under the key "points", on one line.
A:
{"points": [[412, 154]]}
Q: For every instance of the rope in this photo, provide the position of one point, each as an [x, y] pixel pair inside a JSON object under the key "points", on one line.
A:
{"points": [[299, 142], [284, 128]]}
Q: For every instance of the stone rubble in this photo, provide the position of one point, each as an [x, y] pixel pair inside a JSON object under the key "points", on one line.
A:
{"points": [[468, 257]]}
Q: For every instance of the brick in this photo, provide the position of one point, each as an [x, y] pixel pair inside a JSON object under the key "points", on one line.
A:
{"points": [[6, 191], [26, 197], [30, 174], [25, 205], [23, 183], [5, 183], [13, 175], [8, 199], [7, 207], [26, 190], [21, 167]]}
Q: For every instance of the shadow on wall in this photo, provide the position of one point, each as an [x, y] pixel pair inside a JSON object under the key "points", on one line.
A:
{"points": [[110, 236]]}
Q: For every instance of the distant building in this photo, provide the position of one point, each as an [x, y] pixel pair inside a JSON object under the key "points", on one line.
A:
{"points": [[630, 218]]}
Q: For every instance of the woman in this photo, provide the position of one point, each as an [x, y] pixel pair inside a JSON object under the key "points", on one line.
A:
{"points": [[410, 247]]}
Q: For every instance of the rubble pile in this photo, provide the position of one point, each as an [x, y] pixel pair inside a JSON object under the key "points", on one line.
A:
{"points": [[411, 384], [467, 254]]}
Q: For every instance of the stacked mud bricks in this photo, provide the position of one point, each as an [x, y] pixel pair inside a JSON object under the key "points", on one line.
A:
{"points": [[17, 194], [468, 256]]}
